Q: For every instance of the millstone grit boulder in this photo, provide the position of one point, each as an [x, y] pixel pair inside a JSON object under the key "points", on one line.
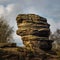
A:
{"points": [[35, 32], [33, 28]]}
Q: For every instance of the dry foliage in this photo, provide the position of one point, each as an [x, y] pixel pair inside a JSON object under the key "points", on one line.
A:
{"points": [[5, 31]]}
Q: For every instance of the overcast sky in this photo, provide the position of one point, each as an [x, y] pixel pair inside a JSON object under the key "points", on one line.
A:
{"points": [[49, 9]]}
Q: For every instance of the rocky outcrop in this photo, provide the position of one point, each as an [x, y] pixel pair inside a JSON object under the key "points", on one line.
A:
{"points": [[4, 45], [8, 51], [35, 32]]}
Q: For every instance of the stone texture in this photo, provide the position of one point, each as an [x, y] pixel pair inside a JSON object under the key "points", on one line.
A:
{"points": [[35, 32], [33, 28], [2, 45]]}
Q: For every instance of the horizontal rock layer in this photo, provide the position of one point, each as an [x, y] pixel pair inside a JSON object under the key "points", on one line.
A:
{"points": [[33, 28]]}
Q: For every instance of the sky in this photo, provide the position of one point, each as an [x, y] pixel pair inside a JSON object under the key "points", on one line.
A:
{"points": [[50, 9]]}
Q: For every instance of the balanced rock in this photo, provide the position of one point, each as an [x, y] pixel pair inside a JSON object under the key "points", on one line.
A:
{"points": [[34, 29]]}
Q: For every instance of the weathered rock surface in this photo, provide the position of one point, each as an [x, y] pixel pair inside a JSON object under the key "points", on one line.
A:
{"points": [[8, 51], [33, 28], [30, 24], [35, 32]]}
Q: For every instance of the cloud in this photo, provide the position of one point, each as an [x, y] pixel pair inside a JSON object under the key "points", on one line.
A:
{"points": [[6, 10], [2, 10], [30, 10], [53, 25], [58, 25], [9, 13], [10, 8]]}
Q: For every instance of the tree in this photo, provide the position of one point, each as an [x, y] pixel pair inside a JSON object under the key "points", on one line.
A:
{"points": [[5, 31], [56, 37]]}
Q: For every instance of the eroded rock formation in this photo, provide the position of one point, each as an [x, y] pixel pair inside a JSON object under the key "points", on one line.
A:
{"points": [[35, 32]]}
